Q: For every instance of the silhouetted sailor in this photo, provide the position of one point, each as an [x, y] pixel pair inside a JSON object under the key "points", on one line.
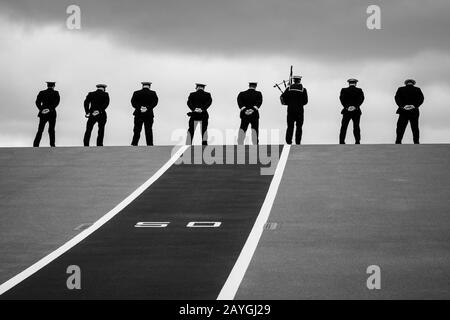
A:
{"points": [[199, 102], [46, 102], [295, 97], [249, 103], [351, 99], [143, 101], [409, 99], [95, 107]]}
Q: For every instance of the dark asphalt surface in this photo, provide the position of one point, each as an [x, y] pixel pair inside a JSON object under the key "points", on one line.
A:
{"points": [[341, 209], [338, 210], [46, 193], [120, 261]]}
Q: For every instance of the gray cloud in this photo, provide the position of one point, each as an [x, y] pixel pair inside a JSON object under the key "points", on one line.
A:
{"points": [[327, 28], [242, 40]]}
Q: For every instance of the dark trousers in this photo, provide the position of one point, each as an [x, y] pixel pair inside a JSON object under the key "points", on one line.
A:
{"points": [[148, 124], [413, 118], [101, 121], [193, 122], [297, 120], [51, 119], [354, 116], [245, 122]]}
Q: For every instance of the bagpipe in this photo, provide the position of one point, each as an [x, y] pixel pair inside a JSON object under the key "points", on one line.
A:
{"points": [[286, 83]]}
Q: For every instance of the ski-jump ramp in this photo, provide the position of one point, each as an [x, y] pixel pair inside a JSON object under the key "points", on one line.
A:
{"points": [[141, 224]]}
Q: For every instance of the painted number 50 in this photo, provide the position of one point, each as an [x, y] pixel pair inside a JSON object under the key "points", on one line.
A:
{"points": [[194, 224]]}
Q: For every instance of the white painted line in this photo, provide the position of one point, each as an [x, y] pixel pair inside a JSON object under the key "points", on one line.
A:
{"points": [[234, 280], [83, 235]]}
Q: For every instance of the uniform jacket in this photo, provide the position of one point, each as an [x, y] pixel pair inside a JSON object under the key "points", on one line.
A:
{"points": [[199, 99], [144, 98], [248, 100], [351, 96], [47, 99], [96, 101], [408, 95], [295, 97]]}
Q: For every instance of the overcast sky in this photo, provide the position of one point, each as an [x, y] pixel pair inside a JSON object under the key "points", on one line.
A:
{"points": [[224, 44]]}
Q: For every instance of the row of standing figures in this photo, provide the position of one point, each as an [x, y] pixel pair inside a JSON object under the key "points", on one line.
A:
{"points": [[409, 98]]}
